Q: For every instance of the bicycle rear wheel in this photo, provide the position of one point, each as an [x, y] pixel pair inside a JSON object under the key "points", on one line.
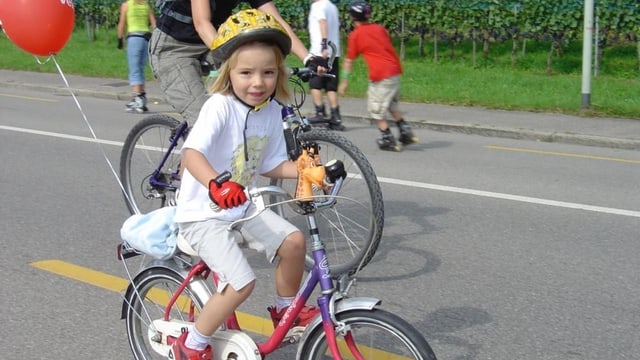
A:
{"points": [[377, 334], [350, 230], [149, 182], [154, 289]]}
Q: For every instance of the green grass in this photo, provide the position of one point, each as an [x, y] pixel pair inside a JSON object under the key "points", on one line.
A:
{"points": [[493, 82]]}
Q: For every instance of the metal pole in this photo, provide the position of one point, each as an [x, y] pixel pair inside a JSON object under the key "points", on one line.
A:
{"points": [[587, 40], [596, 41]]}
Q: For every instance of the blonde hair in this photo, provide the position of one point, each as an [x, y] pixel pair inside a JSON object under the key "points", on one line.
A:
{"points": [[222, 83]]}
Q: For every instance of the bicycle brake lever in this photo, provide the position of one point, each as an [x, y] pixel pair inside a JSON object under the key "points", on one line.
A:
{"points": [[254, 196]]}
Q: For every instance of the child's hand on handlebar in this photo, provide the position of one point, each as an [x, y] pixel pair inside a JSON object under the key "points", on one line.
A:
{"points": [[226, 193]]}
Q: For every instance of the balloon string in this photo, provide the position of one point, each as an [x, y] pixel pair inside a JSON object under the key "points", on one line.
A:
{"points": [[93, 133]]}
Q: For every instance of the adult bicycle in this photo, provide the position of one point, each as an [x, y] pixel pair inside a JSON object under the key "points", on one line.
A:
{"points": [[165, 297], [150, 175]]}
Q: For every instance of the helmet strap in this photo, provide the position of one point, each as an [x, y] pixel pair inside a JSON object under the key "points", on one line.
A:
{"points": [[257, 107]]}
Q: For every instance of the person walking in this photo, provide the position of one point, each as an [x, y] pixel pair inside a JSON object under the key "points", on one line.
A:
{"points": [[181, 41], [324, 26], [373, 42], [136, 20]]}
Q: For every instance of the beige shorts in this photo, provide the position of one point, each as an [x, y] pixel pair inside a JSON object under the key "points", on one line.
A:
{"points": [[176, 65], [383, 96], [221, 249]]}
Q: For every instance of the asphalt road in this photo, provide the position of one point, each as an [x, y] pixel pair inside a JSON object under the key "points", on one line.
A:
{"points": [[493, 248]]}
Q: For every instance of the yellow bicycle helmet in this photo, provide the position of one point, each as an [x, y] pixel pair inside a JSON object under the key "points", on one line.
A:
{"points": [[246, 26]]}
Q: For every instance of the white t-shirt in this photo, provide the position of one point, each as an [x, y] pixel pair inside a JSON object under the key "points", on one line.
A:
{"points": [[323, 9], [218, 135]]}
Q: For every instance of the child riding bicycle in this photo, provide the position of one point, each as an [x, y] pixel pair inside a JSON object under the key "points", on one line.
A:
{"points": [[237, 136]]}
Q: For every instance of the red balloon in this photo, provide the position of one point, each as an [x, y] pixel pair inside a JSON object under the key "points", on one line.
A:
{"points": [[40, 27]]}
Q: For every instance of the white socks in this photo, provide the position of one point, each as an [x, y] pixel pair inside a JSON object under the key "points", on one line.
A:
{"points": [[283, 302], [195, 340]]}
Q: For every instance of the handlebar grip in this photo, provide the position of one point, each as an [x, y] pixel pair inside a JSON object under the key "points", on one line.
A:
{"points": [[300, 71], [225, 176], [292, 150], [289, 121]]}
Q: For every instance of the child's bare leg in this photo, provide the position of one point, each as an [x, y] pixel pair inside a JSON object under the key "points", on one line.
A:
{"points": [[382, 124], [220, 306], [386, 140], [290, 268], [406, 136], [396, 115]]}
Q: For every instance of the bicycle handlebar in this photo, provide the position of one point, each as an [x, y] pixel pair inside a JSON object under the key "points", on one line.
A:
{"points": [[335, 176], [303, 72]]}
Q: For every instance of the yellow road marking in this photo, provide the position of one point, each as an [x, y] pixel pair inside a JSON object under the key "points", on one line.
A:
{"points": [[83, 274], [533, 151], [27, 97], [251, 323]]}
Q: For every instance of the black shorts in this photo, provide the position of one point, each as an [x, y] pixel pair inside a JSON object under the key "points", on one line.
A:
{"points": [[325, 82]]}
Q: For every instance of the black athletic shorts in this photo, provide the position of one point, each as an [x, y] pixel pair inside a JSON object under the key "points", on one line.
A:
{"points": [[325, 82]]}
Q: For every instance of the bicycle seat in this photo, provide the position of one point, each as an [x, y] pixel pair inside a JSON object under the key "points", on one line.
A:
{"points": [[184, 246]]}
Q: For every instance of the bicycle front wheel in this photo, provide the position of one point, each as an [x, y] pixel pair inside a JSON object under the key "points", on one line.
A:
{"points": [[374, 334], [350, 230], [154, 289], [150, 163]]}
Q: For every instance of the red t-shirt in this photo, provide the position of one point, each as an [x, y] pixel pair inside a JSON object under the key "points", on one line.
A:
{"points": [[374, 44]]}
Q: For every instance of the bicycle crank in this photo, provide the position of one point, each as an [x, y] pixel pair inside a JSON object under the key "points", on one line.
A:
{"points": [[226, 344]]}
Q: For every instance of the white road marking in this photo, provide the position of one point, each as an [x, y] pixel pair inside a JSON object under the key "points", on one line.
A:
{"points": [[415, 184]]}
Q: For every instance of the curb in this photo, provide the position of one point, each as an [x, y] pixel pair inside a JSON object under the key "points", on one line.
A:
{"points": [[518, 134], [57, 90], [469, 129]]}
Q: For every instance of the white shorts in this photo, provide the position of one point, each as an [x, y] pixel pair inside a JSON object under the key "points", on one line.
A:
{"points": [[221, 249]]}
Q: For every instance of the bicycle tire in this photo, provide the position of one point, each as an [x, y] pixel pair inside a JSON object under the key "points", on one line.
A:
{"points": [[378, 335], [351, 233], [142, 153], [154, 288]]}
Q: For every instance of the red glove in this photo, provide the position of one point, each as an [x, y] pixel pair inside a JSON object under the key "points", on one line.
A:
{"points": [[226, 193]]}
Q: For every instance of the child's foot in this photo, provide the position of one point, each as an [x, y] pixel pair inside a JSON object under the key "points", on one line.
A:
{"points": [[387, 141], [306, 315], [320, 115], [180, 351], [138, 104], [406, 135], [336, 124]]}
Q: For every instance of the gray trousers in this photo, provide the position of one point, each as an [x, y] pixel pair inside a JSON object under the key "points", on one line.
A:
{"points": [[177, 67]]}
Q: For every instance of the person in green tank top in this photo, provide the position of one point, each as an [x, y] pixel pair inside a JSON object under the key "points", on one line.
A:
{"points": [[136, 22]]}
